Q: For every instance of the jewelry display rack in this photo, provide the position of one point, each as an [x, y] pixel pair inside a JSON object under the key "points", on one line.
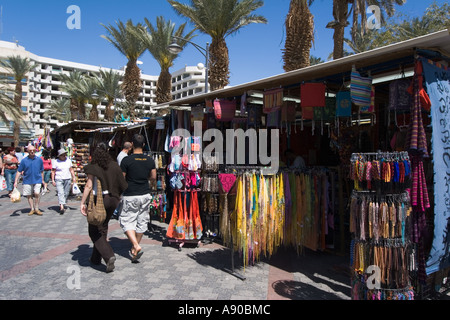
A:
{"points": [[382, 256]]}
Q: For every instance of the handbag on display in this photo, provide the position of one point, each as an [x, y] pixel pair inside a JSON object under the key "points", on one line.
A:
{"points": [[224, 109]]}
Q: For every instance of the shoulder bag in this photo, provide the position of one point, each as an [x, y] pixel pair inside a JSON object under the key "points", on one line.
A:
{"points": [[96, 213]]}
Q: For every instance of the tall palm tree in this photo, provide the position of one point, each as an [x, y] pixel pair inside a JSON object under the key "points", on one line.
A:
{"points": [[110, 87], [126, 39], [361, 43], [299, 35], [340, 14], [19, 67], [60, 110], [219, 19], [72, 86], [360, 9], [8, 109], [91, 90], [157, 39]]}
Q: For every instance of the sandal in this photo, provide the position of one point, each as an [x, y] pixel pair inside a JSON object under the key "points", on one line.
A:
{"points": [[137, 256]]}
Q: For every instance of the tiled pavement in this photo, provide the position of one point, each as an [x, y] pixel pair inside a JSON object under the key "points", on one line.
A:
{"points": [[46, 257]]}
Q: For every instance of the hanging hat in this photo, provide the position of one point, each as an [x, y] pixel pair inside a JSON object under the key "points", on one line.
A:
{"points": [[61, 151]]}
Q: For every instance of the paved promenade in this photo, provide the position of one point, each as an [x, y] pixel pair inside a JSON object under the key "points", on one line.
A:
{"points": [[47, 258]]}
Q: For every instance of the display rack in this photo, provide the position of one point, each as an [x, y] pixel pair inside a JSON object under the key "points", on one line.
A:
{"points": [[80, 158], [184, 170], [210, 199], [382, 255]]}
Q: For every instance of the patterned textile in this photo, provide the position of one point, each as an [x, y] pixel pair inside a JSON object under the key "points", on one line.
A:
{"points": [[416, 138], [438, 87], [399, 98], [343, 104], [360, 89]]}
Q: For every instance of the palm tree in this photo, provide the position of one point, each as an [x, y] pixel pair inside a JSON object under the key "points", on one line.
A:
{"points": [[8, 109], [19, 67], [157, 40], [361, 42], [299, 35], [313, 60], [92, 93], [360, 9], [219, 19], [126, 38], [110, 87], [60, 110], [340, 14], [72, 87]]}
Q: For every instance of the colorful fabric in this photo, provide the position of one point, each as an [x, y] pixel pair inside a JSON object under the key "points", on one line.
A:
{"points": [[312, 95], [360, 89], [416, 138], [343, 104], [438, 88]]}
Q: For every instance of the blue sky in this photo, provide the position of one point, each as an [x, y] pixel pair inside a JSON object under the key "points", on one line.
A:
{"points": [[255, 52]]}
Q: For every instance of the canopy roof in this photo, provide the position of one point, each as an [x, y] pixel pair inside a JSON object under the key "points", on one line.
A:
{"points": [[380, 62]]}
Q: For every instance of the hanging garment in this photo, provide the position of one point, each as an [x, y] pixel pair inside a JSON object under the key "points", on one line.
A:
{"points": [[227, 182], [343, 104], [399, 98], [312, 95], [176, 227], [416, 140], [272, 100]]}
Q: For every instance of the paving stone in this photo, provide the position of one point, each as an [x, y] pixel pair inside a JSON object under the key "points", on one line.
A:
{"points": [[42, 258]]}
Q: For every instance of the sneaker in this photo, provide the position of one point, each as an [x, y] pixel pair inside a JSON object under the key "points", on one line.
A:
{"points": [[38, 212]]}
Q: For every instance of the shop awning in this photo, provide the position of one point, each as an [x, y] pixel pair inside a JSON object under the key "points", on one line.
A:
{"points": [[379, 62]]}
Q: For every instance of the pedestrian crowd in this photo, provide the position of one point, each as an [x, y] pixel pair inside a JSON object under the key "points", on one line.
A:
{"points": [[125, 189]]}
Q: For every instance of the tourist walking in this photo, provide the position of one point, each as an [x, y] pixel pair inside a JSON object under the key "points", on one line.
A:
{"points": [[32, 168], [9, 168], [62, 177], [47, 170], [138, 169], [124, 153], [105, 169]]}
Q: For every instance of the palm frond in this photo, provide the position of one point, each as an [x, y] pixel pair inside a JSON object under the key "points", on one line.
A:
{"points": [[124, 38]]}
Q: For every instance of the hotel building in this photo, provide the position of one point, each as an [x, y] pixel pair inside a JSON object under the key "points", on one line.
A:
{"points": [[43, 85]]}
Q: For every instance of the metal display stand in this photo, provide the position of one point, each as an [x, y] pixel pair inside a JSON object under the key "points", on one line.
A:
{"points": [[232, 272]]}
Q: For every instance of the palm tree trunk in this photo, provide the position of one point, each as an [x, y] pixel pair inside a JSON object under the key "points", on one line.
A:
{"points": [[109, 113], [340, 10], [81, 110], [73, 109], [93, 114], [18, 103], [132, 86], [299, 36], [219, 71], [164, 87]]}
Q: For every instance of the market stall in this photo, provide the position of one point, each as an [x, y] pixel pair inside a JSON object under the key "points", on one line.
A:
{"points": [[370, 103]]}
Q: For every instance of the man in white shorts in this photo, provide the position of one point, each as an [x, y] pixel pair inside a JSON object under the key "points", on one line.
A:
{"points": [[32, 169], [137, 169]]}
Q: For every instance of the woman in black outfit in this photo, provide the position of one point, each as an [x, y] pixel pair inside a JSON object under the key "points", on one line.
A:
{"points": [[103, 167]]}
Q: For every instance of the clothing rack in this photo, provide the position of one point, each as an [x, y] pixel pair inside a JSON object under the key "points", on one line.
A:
{"points": [[379, 220]]}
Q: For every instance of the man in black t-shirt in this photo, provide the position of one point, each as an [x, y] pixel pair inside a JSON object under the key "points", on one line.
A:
{"points": [[137, 169]]}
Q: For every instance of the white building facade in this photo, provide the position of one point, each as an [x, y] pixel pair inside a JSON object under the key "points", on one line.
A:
{"points": [[44, 85]]}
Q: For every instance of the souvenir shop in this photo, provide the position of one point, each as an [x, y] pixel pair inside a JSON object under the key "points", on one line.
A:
{"points": [[363, 126], [80, 137]]}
